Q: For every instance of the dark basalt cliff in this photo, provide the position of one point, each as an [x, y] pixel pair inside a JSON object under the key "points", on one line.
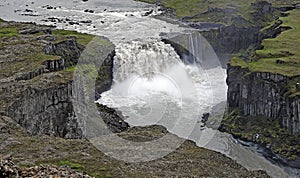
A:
{"points": [[263, 94]]}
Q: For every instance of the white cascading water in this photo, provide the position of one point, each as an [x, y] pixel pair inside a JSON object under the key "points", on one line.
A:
{"points": [[194, 47], [144, 59], [153, 86]]}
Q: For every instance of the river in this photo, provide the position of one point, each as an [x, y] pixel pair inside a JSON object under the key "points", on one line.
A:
{"points": [[152, 85]]}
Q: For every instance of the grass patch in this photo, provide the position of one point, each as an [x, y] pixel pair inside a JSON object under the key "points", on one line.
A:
{"points": [[185, 8], [76, 166], [41, 56], [82, 38], [221, 11], [236, 61], [279, 55], [8, 32]]}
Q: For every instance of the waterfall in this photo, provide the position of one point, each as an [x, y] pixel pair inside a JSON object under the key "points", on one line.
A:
{"points": [[199, 52], [152, 85], [145, 59], [147, 67], [194, 47]]}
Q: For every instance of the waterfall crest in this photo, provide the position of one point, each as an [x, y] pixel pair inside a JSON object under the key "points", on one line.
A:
{"points": [[145, 59]]}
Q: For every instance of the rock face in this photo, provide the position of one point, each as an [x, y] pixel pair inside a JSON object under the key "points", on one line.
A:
{"points": [[39, 97], [104, 80], [263, 94], [69, 50], [243, 33], [48, 111], [230, 39]]}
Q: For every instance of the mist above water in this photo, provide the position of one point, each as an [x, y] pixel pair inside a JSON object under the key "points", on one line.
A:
{"points": [[149, 66]]}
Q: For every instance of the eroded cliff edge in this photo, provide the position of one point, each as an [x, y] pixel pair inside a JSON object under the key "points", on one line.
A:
{"points": [[37, 70]]}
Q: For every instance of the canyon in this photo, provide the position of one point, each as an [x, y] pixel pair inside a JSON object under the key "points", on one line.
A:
{"points": [[39, 96]]}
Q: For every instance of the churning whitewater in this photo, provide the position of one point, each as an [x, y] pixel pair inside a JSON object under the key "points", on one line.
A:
{"points": [[152, 85]]}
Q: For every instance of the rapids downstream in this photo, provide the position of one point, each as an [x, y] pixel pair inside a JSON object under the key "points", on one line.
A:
{"points": [[152, 85]]}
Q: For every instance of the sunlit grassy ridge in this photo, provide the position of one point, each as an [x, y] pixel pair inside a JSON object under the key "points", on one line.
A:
{"points": [[185, 8], [82, 38], [219, 11], [25, 53], [281, 54]]}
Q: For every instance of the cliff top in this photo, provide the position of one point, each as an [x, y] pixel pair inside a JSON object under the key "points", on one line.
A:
{"points": [[239, 12], [24, 62], [279, 55]]}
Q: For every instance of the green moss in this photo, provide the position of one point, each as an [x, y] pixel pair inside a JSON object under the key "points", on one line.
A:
{"points": [[41, 56], [8, 32], [291, 86], [236, 61], [71, 69], [280, 55], [72, 165]]}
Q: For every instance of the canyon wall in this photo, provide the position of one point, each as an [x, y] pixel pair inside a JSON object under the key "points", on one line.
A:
{"points": [[263, 94], [40, 99]]}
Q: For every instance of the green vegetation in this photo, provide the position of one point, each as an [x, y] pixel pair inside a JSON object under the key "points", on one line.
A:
{"points": [[184, 8], [26, 51], [292, 87], [82, 38], [270, 131], [279, 55], [238, 12], [8, 32], [187, 161], [76, 166]]}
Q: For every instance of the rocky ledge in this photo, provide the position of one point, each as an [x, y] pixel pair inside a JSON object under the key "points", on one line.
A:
{"points": [[36, 78]]}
